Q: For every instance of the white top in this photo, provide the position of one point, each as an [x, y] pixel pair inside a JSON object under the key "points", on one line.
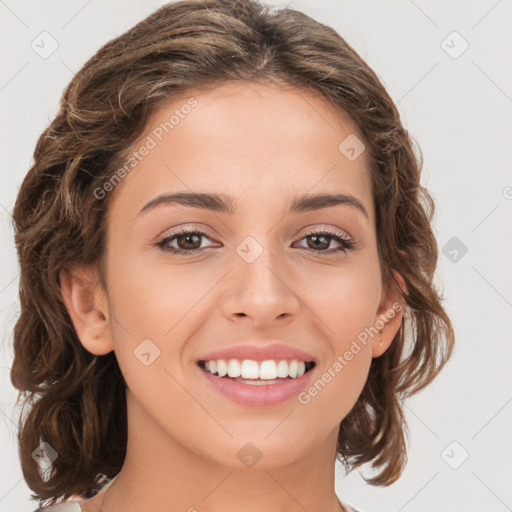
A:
{"points": [[347, 507]]}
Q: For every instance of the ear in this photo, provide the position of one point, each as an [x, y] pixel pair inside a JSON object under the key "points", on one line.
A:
{"points": [[389, 316], [86, 302]]}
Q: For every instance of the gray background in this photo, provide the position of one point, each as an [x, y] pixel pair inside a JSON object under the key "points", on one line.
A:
{"points": [[456, 104]]}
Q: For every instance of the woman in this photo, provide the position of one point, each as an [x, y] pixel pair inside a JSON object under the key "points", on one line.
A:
{"points": [[226, 271]]}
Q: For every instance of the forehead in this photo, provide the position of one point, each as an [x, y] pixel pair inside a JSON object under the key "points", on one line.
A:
{"points": [[258, 143]]}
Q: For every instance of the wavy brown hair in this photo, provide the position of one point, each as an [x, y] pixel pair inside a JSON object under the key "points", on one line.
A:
{"points": [[75, 401]]}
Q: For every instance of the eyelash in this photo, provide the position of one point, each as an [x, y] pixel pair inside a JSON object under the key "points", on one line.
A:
{"points": [[347, 244]]}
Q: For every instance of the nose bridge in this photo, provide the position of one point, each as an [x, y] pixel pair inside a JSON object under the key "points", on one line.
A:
{"points": [[259, 287]]}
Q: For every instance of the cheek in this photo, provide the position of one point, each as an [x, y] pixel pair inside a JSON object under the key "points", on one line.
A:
{"points": [[333, 393], [150, 299], [347, 302], [155, 310], [340, 379]]}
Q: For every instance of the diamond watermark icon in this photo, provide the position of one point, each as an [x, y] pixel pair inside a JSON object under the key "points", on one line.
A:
{"points": [[351, 147], [454, 249], [146, 352], [249, 250], [454, 455], [44, 455], [249, 455], [454, 45], [44, 45]]}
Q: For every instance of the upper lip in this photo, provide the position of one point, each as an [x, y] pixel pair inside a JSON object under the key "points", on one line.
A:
{"points": [[258, 352]]}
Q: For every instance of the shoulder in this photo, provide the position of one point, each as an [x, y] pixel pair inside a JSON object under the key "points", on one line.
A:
{"points": [[348, 508]]}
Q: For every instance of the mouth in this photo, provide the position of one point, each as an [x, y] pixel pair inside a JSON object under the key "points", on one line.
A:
{"points": [[257, 373]]}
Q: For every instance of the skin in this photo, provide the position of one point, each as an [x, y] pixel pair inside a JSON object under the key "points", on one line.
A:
{"points": [[263, 145]]}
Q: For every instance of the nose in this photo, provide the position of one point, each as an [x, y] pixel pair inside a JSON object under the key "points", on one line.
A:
{"points": [[261, 290]]}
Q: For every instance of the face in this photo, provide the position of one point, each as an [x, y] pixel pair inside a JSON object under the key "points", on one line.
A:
{"points": [[262, 273]]}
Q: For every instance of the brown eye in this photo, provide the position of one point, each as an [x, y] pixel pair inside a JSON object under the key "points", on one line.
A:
{"points": [[187, 242], [320, 240]]}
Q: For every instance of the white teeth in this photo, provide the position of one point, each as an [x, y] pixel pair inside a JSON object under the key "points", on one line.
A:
{"points": [[249, 369], [282, 369], [222, 368], [267, 370], [233, 368], [293, 369]]}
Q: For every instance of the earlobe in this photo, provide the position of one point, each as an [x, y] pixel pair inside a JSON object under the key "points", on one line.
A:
{"points": [[86, 304], [389, 316]]}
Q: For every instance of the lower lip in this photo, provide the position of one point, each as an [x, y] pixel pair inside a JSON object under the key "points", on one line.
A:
{"points": [[258, 395]]}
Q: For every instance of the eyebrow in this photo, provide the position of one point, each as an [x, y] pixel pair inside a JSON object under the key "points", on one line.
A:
{"points": [[226, 204]]}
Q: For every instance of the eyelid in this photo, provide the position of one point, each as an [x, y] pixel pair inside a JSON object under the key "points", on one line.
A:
{"points": [[188, 227], [325, 227]]}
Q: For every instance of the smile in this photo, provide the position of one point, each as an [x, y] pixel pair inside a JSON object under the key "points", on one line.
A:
{"points": [[257, 383]]}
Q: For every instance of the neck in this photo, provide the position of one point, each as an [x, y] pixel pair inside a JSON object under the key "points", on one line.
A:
{"points": [[161, 474]]}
